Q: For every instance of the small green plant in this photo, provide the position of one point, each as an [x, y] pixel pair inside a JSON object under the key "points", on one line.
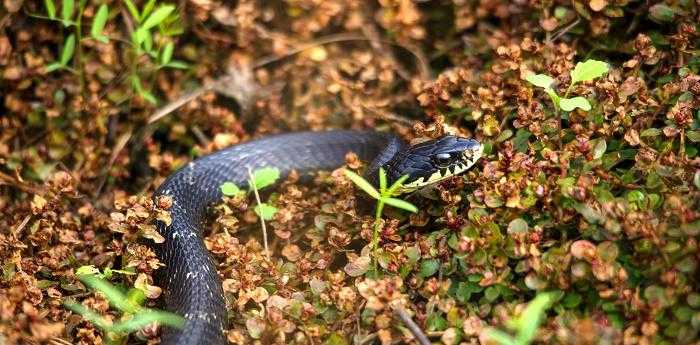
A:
{"points": [[257, 180], [525, 326], [134, 315], [143, 41], [72, 19], [584, 71], [384, 196]]}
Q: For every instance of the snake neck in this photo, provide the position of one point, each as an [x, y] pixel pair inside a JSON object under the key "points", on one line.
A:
{"points": [[389, 152]]}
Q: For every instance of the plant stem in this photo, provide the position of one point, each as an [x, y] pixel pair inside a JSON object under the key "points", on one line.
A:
{"points": [[412, 326], [561, 127], [79, 51], [377, 224], [262, 220]]}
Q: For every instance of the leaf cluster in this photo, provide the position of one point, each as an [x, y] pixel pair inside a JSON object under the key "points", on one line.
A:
{"points": [[130, 304]]}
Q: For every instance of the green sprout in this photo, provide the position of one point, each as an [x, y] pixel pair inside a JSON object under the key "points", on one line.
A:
{"points": [[134, 315], [384, 196], [525, 326], [257, 180], [143, 42], [584, 71]]}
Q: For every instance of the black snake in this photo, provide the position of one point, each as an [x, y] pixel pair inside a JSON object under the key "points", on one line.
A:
{"points": [[192, 285]]}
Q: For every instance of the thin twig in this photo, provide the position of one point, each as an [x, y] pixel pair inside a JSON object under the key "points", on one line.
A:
{"points": [[21, 185], [172, 106], [262, 220], [563, 31], [412, 326]]}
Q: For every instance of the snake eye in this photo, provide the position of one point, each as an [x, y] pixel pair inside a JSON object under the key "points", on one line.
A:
{"points": [[443, 159]]}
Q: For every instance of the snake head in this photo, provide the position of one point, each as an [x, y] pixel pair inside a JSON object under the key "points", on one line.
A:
{"points": [[432, 161]]}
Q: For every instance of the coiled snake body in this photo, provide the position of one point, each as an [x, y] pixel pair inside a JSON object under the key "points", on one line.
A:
{"points": [[192, 285]]}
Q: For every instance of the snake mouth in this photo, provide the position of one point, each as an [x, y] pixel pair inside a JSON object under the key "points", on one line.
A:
{"points": [[461, 162]]}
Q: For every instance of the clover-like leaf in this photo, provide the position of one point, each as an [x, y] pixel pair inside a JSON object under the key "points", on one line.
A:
{"points": [[569, 104], [588, 70], [266, 211], [517, 226], [542, 80], [265, 177], [230, 189]]}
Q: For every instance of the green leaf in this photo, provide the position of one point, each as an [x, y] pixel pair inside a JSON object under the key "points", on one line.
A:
{"points": [[89, 315], [541, 80], [569, 104], [148, 8], [133, 10], [362, 184], [531, 317], [50, 8], [398, 203], [177, 64], [145, 318], [696, 179], [115, 297], [136, 84], [650, 132], [661, 13], [572, 300], [148, 43], [517, 226], [167, 54], [87, 269], [553, 96], [491, 293], [264, 177], [140, 36], [521, 140], [500, 337], [53, 67], [68, 49], [136, 297], [67, 7], [428, 267], [335, 339], [230, 189], [98, 24], [693, 136], [599, 148], [157, 17], [635, 196], [436, 322], [266, 211], [588, 70], [148, 96], [396, 185], [382, 179]]}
